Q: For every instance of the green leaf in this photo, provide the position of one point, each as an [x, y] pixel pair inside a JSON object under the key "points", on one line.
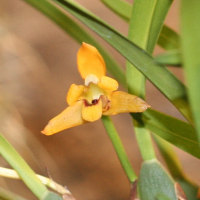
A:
{"points": [[160, 11], [122, 8], [190, 20], [154, 180], [78, 33], [170, 157], [170, 86], [177, 132], [168, 38], [147, 21], [169, 58], [118, 146], [24, 171], [7, 195]]}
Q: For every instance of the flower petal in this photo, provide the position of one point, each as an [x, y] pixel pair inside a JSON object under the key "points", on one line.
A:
{"points": [[90, 61], [92, 112], [108, 83], [122, 102], [70, 117], [75, 91]]}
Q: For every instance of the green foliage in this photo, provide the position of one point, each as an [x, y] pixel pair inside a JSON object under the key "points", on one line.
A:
{"points": [[78, 33], [175, 91], [169, 58], [24, 171], [190, 19], [168, 39], [154, 181], [173, 130], [146, 29], [6, 194]]}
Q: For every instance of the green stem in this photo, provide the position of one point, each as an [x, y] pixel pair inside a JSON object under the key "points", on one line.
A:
{"points": [[148, 17], [144, 141], [135, 80], [114, 137]]}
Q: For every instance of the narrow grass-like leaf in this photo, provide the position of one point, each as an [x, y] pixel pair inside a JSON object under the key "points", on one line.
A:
{"points": [[170, 157], [177, 132], [24, 171], [170, 86], [7, 195], [154, 180], [114, 137], [147, 22], [168, 38], [160, 11], [172, 58], [122, 8], [78, 33], [190, 20]]}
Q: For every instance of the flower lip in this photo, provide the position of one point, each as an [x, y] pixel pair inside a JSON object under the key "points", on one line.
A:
{"points": [[95, 91], [92, 112]]}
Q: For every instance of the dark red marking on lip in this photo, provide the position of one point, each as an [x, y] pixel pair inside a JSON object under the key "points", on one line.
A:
{"points": [[95, 101]]}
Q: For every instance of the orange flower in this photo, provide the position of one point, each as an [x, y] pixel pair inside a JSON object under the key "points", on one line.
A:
{"points": [[97, 97]]}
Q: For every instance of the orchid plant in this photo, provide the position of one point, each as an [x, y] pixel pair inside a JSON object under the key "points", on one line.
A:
{"points": [[98, 98]]}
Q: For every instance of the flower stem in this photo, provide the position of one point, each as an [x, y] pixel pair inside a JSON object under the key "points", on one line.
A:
{"points": [[147, 18], [144, 141], [118, 146]]}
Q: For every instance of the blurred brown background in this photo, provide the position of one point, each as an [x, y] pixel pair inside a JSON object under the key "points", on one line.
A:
{"points": [[37, 66]]}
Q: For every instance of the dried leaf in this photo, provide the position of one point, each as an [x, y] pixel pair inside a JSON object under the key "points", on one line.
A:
{"points": [[134, 195], [179, 192]]}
